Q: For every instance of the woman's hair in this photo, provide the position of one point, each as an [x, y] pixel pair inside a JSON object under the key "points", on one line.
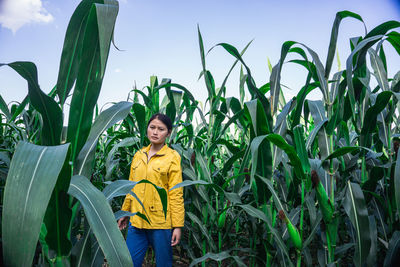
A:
{"points": [[163, 118]]}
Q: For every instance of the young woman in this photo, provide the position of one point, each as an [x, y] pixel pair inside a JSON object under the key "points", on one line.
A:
{"points": [[160, 165]]}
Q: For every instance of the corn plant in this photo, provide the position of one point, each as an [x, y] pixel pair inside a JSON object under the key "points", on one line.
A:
{"points": [[46, 184]]}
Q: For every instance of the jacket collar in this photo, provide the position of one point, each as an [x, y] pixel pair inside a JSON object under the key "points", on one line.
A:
{"points": [[161, 152]]}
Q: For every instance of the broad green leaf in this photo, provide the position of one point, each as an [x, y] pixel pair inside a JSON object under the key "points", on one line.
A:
{"points": [[397, 183], [140, 115], [20, 108], [334, 35], [300, 146], [383, 28], [4, 108], [371, 117], [356, 209], [379, 70], [199, 182], [340, 152], [290, 151], [318, 114], [394, 40], [106, 15], [32, 176], [105, 120], [371, 260], [314, 132], [362, 46], [275, 78], [110, 162], [47, 107], [101, 219], [281, 129], [90, 74], [336, 81], [71, 52]]}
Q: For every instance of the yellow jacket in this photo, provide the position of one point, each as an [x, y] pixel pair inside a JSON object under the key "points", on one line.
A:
{"points": [[164, 170]]}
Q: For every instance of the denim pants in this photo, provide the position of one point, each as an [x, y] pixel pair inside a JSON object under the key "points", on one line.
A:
{"points": [[138, 241]]}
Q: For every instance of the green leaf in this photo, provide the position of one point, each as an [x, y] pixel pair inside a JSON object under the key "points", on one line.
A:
{"points": [[334, 35], [397, 183], [318, 114], [140, 115], [371, 260], [106, 15], [275, 78], [301, 150], [356, 209], [281, 129], [340, 152], [20, 108], [90, 74], [110, 162], [361, 48], [72, 48], [371, 117], [105, 120], [379, 70], [383, 28], [33, 174], [101, 219], [290, 151], [47, 107], [4, 108]]}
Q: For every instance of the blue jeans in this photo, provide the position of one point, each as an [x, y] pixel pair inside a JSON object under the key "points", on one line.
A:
{"points": [[138, 241]]}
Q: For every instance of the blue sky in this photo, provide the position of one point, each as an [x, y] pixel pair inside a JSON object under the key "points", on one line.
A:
{"points": [[160, 38]]}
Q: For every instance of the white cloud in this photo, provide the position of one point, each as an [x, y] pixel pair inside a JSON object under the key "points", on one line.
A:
{"points": [[16, 13], [117, 70]]}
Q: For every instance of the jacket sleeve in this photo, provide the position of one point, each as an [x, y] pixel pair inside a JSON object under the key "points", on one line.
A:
{"points": [[176, 195], [126, 206]]}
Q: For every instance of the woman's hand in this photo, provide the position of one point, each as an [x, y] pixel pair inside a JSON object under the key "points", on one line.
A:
{"points": [[123, 222], [176, 236]]}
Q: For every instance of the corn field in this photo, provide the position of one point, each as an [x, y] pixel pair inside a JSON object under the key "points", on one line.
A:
{"points": [[268, 181]]}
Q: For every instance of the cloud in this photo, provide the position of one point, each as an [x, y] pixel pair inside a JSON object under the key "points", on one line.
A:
{"points": [[16, 13], [117, 70]]}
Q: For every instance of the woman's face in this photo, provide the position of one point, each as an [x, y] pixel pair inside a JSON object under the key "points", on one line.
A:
{"points": [[157, 132]]}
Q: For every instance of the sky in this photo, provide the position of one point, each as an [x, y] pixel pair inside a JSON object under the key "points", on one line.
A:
{"points": [[159, 37]]}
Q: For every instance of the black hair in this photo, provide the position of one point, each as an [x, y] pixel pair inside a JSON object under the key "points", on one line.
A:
{"points": [[163, 118]]}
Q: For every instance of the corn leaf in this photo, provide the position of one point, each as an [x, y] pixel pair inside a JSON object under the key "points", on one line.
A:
{"points": [[105, 120], [90, 74], [354, 205], [47, 107], [32, 176], [101, 220]]}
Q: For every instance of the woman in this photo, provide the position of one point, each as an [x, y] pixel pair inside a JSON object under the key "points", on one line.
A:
{"points": [[160, 165]]}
